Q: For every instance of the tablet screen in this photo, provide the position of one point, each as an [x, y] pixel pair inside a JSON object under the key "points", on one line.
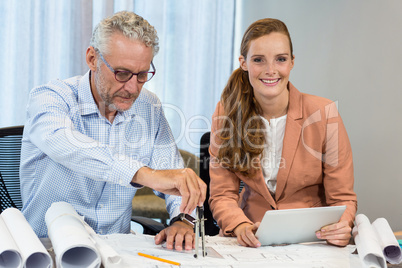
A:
{"points": [[289, 226]]}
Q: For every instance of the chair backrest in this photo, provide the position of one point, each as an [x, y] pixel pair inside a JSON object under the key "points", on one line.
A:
{"points": [[211, 227], [10, 150], [5, 198]]}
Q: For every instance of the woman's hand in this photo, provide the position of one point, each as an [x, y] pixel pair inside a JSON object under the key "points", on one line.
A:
{"points": [[337, 234], [245, 233]]}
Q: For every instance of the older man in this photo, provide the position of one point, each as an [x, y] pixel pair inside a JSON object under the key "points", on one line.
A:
{"points": [[93, 140]]}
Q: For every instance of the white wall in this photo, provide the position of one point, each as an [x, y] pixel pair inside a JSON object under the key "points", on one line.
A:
{"points": [[350, 52]]}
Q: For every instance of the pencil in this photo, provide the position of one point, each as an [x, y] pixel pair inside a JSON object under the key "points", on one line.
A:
{"points": [[158, 259]]}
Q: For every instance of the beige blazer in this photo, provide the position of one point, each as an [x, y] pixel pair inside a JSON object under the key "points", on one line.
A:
{"points": [[316, 168]]}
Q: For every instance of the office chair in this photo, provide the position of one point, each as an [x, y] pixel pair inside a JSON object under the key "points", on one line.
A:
{"points": [[10, 149], [211, 227], [5, 198]]}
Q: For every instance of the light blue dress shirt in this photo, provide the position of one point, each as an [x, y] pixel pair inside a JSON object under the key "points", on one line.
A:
{"points": [[71, 153]]}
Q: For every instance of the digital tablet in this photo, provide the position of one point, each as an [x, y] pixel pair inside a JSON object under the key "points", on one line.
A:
{"points": [[290, 226]]}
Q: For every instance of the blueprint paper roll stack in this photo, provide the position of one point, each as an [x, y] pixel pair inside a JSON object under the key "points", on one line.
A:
{"points": [[367, 243], [9, 252], [72, 244], [19, 245], [376, 243], [388, 243]]}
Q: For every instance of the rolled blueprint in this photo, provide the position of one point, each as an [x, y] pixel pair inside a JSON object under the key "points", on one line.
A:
{"points": [[10, 256], [367, 243], [72, 244], [388, 243], [31, 250]]}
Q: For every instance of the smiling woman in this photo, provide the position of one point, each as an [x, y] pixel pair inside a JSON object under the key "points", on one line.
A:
{"points": [[281, 143], [268, 62]]}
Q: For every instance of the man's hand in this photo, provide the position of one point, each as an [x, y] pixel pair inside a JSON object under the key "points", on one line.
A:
{"points": [[337, 234], [245, 233], [175, 235], [182, 182]]}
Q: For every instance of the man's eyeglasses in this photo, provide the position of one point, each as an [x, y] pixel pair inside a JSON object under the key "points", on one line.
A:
{"points": [[124, 76]]}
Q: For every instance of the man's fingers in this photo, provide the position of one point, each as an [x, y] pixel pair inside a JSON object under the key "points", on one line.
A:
{"points": [[170, 237], [193, 190], [198, 190], [189, 241], [185, 196], [160, 237], [178, 241]]}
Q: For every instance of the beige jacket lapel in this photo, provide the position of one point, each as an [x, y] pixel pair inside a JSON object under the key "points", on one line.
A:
{"points": [[291, 139]]}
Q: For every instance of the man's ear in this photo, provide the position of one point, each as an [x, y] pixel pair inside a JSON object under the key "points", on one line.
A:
{"points": [[243, 63], [91, 58]]}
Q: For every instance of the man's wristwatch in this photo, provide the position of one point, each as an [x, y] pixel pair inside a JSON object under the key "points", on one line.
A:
{"points": [[184, 218]]}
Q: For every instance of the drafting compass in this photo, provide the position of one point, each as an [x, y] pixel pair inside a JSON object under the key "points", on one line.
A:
{"points": [[200, 230]]}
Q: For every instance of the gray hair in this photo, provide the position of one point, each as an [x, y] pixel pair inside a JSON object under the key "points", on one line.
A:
{"points": [[130, 25]]}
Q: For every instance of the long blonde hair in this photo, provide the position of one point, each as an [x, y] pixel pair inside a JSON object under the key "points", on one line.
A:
{"points": [[240, 145]]}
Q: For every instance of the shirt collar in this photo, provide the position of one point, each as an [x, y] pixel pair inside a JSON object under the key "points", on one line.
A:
{"points": [[85, 99]]}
